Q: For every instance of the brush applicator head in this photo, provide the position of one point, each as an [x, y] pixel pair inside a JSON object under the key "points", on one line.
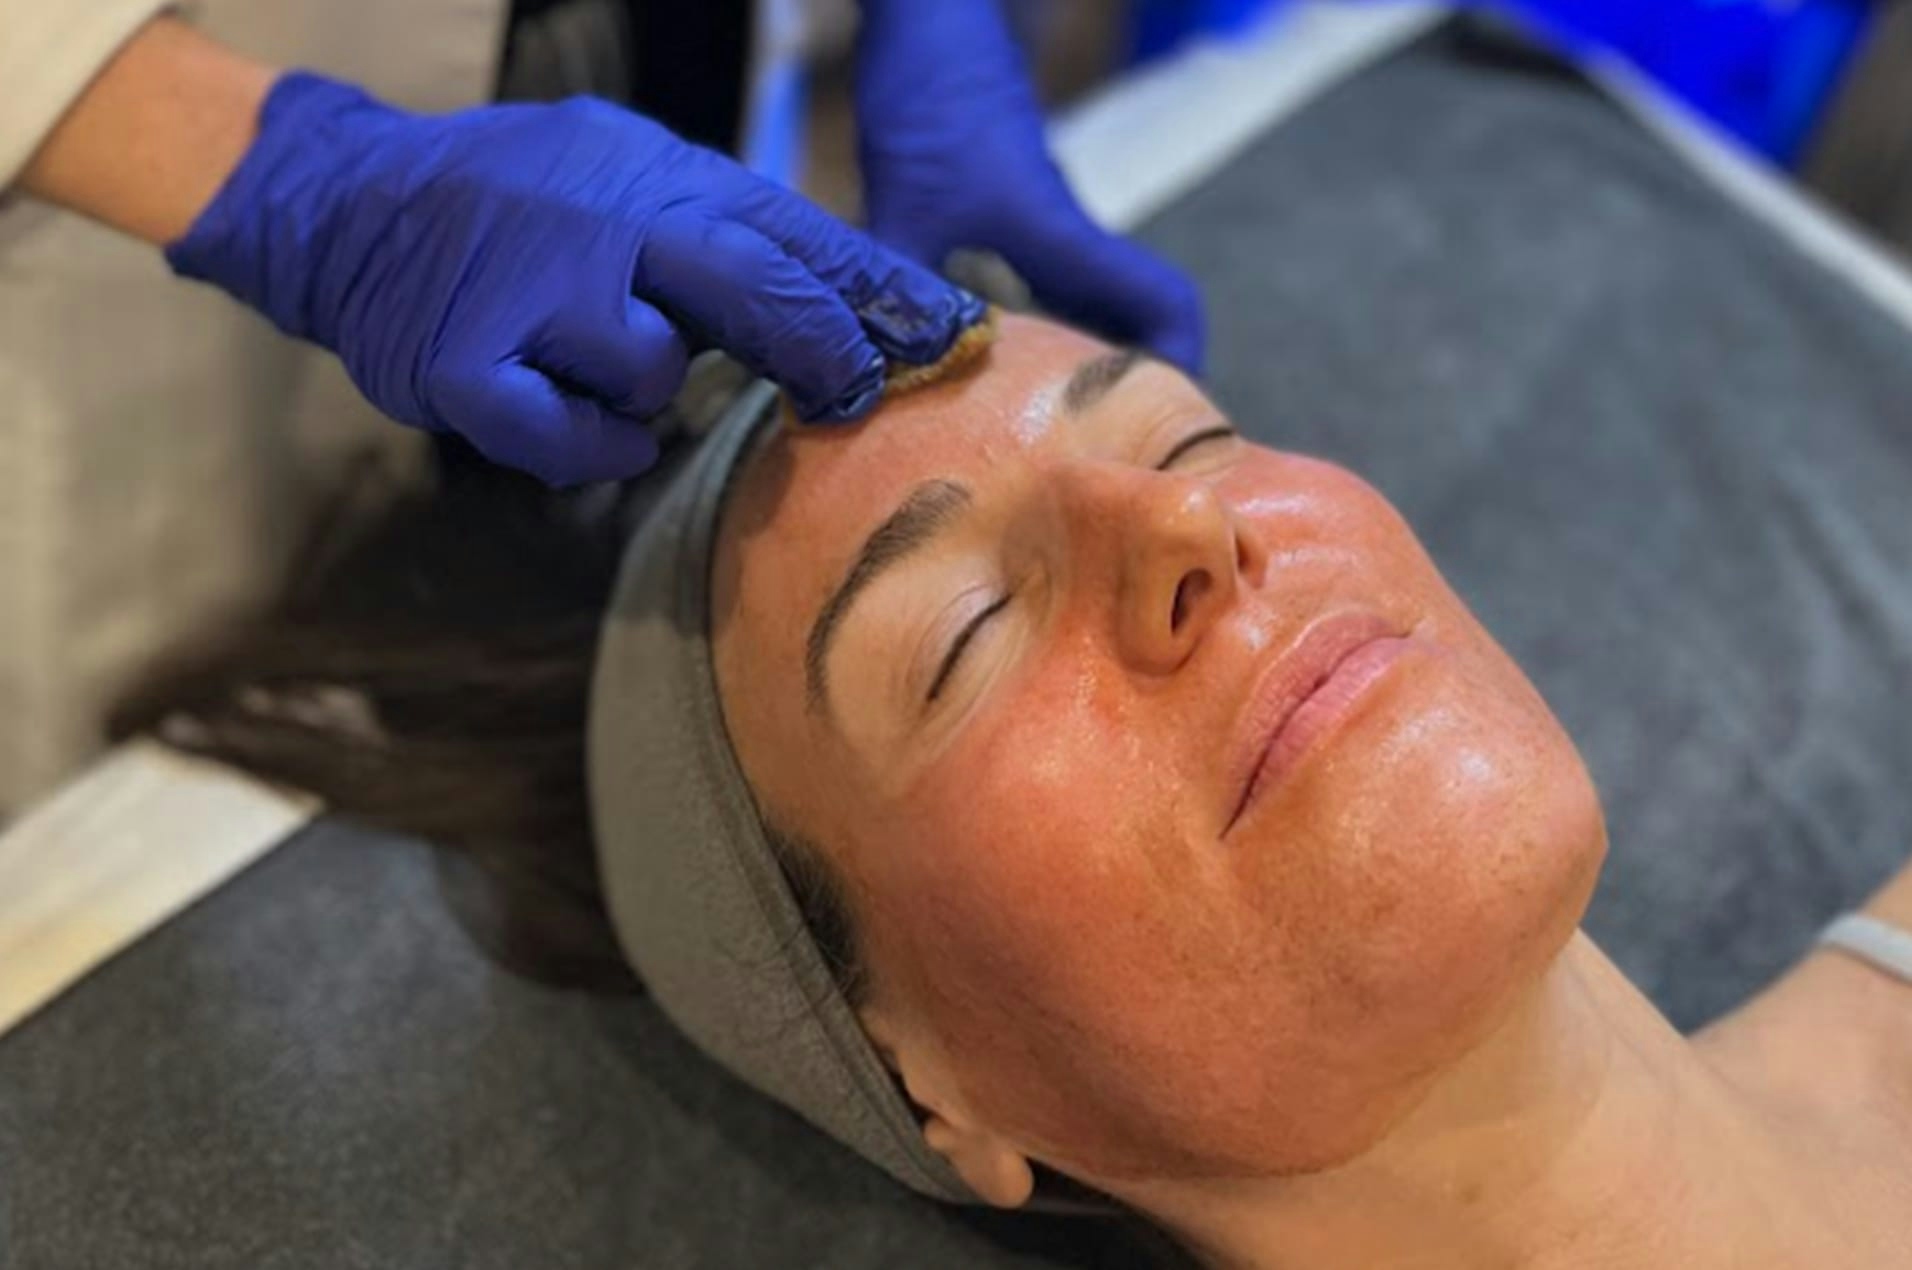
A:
{"points": [[962, 356]]}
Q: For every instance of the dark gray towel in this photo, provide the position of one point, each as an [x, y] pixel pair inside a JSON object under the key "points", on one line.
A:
{"points": [[314, 1068], [1666, 459]]}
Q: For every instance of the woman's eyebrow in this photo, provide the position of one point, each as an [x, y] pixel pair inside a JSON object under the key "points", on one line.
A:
{"points": [[1094, 378], [925, 512]]}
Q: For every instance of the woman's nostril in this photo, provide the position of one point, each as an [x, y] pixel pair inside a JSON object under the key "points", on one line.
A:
{"points": [[1188, 593]]}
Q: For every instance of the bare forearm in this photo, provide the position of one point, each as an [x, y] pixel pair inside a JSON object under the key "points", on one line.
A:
{"points": [[151, 140]]}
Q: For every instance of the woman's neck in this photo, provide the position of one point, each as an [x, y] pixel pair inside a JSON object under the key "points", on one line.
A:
{"points": [[1586, 1132]]}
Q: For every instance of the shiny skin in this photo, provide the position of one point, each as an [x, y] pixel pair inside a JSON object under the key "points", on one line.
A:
{"points": [[1068, 960]]}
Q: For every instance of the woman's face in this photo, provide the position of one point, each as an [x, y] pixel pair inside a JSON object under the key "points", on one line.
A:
{"points": [[1023, 656]]}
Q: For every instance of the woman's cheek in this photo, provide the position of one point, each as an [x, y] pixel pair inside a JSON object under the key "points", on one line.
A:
{"points": [[1014, 803], [1455, 837], [1020, 841]]}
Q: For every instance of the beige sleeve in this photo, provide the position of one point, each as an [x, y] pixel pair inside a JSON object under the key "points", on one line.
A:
{"points": [[49, 52]]}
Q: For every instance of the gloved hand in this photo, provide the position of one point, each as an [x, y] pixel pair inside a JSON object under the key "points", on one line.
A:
{"points": [[530, 277], [953, 156]]}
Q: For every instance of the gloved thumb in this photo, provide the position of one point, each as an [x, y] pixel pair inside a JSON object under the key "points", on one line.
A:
{"points": [[1107, 284]]}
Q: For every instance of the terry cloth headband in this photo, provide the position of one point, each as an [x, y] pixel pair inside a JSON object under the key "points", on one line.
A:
{"points": [[701, 906]]}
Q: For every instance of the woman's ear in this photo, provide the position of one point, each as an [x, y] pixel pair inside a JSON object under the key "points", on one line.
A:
{"points": [[988, 1163], [989, 1166]]}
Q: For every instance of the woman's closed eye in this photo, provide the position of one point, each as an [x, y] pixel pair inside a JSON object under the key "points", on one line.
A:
{"points": [[1219, 432], [960, 644]]}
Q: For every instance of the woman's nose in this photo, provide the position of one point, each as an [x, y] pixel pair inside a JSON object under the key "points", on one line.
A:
{"points": [[1175, 555]]}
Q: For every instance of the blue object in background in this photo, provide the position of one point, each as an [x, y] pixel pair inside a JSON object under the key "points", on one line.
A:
{"points": [[1762, 69], [1160, 25], [778, 107]]}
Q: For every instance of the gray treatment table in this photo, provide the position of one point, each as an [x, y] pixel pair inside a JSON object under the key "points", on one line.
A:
{"points": [[1663, 446]]}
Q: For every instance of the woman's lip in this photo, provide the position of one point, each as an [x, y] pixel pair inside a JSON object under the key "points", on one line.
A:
{"points": [[1302, 694]]}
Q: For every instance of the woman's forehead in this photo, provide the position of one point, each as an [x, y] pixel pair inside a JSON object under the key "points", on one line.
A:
{"points": [[1006, 400], [810, 495], [813, 491]]}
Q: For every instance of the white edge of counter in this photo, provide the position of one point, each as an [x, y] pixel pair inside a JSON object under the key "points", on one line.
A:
{"points": [[117, 851], [1138, 144], [1814, 227]]}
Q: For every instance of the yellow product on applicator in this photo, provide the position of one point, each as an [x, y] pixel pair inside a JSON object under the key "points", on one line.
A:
{"points": [[962, 355]]}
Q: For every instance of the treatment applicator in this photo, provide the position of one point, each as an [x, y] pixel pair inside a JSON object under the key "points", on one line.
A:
{"points": [[968, 348]]}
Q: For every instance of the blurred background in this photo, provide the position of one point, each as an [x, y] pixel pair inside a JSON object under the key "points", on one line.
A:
{"points": [[1819, 88]]}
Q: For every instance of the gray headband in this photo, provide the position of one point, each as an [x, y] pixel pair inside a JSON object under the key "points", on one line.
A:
{"points": [[700, 904]]}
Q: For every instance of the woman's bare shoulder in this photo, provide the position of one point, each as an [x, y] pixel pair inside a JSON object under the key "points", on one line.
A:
{"points": [[1893, 901], [1833, 1035]]}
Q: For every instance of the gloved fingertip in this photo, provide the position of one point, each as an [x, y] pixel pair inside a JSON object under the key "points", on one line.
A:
{"points": [[1181, 346], [617, 451], [1122, 290], [853, 406], [970, 309], [919, 331], [518, 417], [597, 443], [627, 449], [1186, 338]]}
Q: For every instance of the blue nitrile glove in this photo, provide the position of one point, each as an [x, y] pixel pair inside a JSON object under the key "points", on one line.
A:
{"points": [[529, 276], [953, 156]]}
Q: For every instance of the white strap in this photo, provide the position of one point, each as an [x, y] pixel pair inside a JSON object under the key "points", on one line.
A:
{"points": [[1871, 940]]}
